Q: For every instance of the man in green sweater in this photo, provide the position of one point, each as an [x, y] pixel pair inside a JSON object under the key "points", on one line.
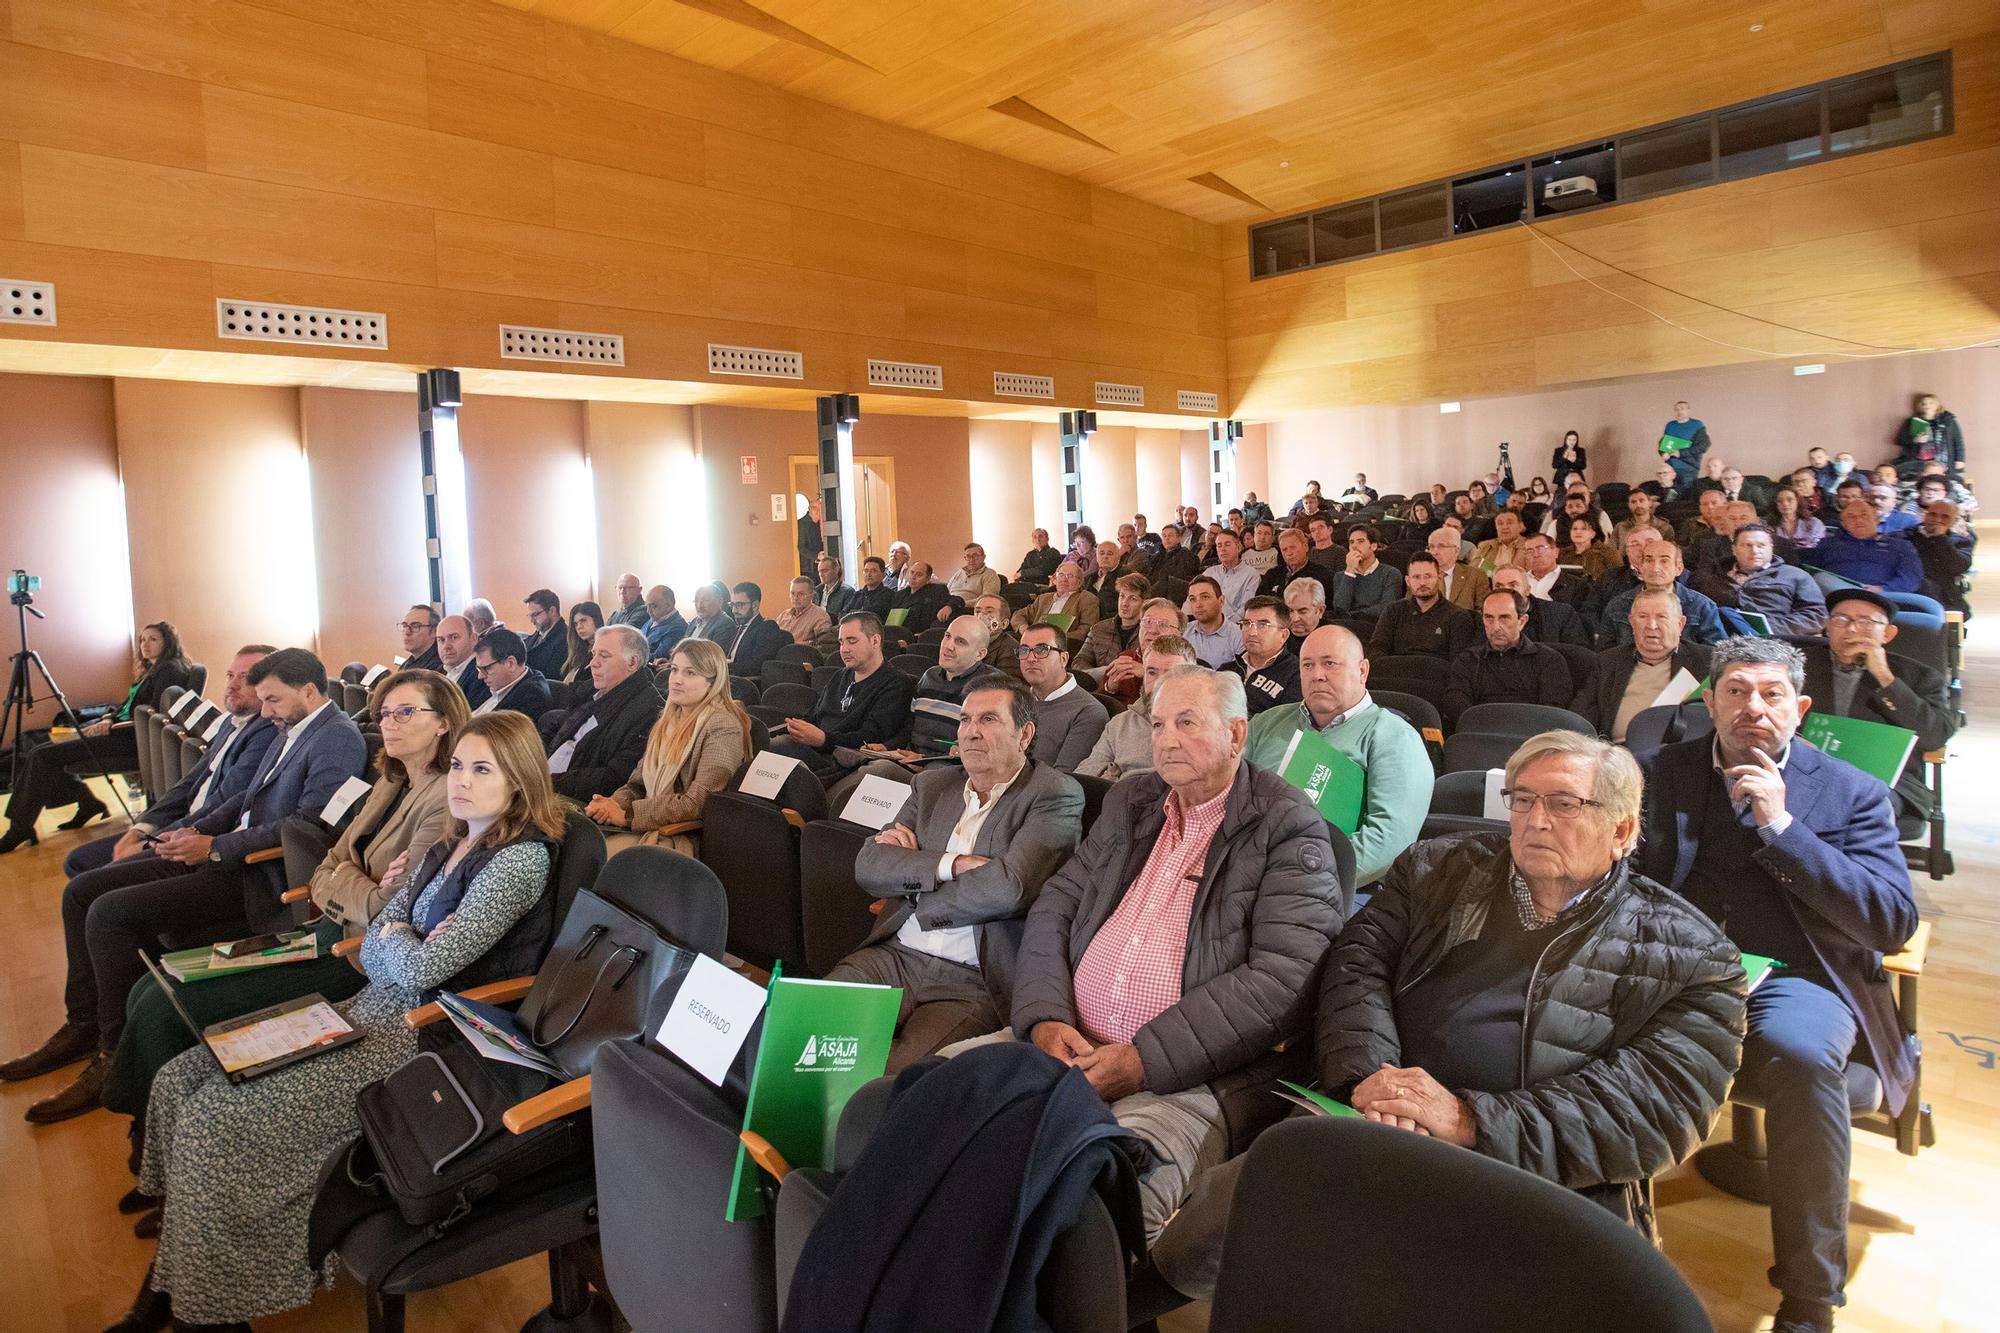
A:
{"points": [[1333, 675]]}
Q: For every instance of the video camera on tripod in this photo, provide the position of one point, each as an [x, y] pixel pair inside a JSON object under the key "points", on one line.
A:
{"points": [[27, 663], [22, 587]]}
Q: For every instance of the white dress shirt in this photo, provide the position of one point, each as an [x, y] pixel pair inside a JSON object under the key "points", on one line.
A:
{"points": [[955, 944]]}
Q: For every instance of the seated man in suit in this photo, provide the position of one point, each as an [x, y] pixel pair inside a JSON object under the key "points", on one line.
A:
{"points": [[712, 620], [456, 645], [1068, 717], [224, 770], [755, 640], [601, 741], [1548, 621], [1660, 569], [1039, 564], [194, 880], [631, 609], [956, 873], [1464, 585], [1506, 666], [1390, 753], [865, 700], [1066, 598], [511, 684], [1853, 675], [1755, 579], [1631, 677], [1154, 1001], [928, 601], [1793, 853], [1424, 621], [1548, 581], [479, 614], [548, 646], [419, 630]]}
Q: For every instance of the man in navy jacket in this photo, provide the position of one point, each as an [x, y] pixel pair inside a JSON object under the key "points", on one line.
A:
{"points": [[1794, 854], [195, 881]]}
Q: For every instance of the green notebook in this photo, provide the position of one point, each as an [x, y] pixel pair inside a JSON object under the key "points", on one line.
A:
{"points": [[1757, 967], [1317, 1101], [1877, 749], [1062, 620], [822, 1040], [191, 965], [1331, 781], [1757, 622], [898, 616], [1673, 444]]}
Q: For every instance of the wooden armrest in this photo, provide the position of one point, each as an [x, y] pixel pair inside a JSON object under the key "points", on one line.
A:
{"points": [[493, 992], [1910, 962], [750, 971], [795, 819], [764, 1155], [268, 854], [679, 826], [297, 895], [1434, 735], [347, 948], [878, 906], [1934, 756], [1954, 617], [561, 1100]]}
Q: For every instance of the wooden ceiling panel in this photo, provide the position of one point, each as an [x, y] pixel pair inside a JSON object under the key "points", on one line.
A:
{"points": [[1357, 97]]}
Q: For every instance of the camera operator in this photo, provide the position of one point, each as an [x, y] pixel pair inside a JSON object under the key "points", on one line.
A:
{"points": [[110, 742]]}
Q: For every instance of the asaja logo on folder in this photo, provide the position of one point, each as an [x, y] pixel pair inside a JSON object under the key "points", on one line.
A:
{"points": [[832, 1055], [1316, 782]]}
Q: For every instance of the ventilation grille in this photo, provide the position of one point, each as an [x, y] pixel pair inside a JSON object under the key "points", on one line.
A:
{"points": [[760, 361], [262, 322], [905, 375], [1024, 386], [520, 343], [1121, 395], [1191, 401], [27, 302]]}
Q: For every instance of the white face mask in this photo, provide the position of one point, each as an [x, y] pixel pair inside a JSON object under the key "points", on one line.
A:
{"points": [[1841, 467]]}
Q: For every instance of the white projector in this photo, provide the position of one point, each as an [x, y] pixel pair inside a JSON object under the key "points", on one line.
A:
{"points": [[1569, 192]]}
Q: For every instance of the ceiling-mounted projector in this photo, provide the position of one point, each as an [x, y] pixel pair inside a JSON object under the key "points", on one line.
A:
{"points": [[1569, 192]]}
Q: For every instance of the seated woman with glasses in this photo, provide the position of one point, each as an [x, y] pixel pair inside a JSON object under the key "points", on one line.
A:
{"points": [[1525, 995], [110, 744], [235, 1164], [400, 819], [700, 740]]}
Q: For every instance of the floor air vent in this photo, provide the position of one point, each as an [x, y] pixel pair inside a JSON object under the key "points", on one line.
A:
{"points": [[760, 361], [521, 343], [260, 321]]}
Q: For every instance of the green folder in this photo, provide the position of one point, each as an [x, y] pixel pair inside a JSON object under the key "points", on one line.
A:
{"points": [[191, 965], [1877, 749], [1672, 444], [1331, 781], [1758, 622], [1062, 620], [821, 1041], [1319, 1101], [1757, 967], [1706, 682], [899, 616]]}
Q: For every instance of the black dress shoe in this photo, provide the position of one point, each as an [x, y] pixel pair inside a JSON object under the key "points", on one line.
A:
{"points": [[83, 1095], [72, 1042], [16, 835], [1798, 1316], [137, 1201], [148, 1225], [86, 810], [149, 1314]]}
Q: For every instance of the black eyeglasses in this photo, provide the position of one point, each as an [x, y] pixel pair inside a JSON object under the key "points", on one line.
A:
{"points": [[1560, 804], [407, 625], [1037, 651], [401, 716]]}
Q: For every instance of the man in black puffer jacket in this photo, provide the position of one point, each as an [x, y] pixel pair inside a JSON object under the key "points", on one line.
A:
{"points": [[1527, 996]]}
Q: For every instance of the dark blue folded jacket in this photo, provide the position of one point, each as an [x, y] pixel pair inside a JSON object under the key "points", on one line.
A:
{"points": [[952, 1208]]}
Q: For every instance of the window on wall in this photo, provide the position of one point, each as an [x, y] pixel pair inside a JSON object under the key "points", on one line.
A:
{"points": [[1860, 112]]}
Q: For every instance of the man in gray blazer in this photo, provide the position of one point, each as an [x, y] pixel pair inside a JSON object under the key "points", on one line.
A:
{"points": [[957, 872]]}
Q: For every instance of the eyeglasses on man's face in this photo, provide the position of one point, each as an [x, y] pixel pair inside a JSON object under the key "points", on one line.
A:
{"points": [[1845, 621], [401, 716], [407, 625], [1559, 804], [1038, 651]]}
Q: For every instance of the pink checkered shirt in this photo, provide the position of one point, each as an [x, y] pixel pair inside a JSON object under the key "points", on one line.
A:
{"points": [[1132, 969]]}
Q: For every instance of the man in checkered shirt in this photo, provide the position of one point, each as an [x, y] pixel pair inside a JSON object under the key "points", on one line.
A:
{"points": [[1183, 940]]}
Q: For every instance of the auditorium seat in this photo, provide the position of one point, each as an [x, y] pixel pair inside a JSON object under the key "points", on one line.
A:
{"points": [[1412, 673], [752, 845], [1650, 728], [912, 665], [777, 672], [1522, 720], [1420, 713], [1477, 751], [789, 700]]}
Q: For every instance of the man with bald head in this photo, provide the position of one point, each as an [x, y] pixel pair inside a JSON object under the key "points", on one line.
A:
{"points": [[1660, 569], [631, 603], [929, 602], [455, 645], [1464, 586], [1333, 677], [664, 626]]}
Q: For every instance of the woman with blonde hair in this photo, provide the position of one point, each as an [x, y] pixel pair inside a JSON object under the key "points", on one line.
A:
{"points": [[236, 1164], [701, 739], [400, 819]]}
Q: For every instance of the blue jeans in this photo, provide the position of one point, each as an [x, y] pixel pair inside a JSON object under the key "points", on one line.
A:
{"points": [[1685, 475], [1795, 1060]]}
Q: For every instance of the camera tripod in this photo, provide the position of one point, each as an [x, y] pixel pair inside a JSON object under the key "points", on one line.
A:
{"points": [[21, 699]]}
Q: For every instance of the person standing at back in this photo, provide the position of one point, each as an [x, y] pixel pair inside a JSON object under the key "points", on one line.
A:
{"points": [[1683, 444]]}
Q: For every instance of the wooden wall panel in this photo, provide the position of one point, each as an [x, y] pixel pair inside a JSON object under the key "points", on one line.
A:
{"points": [[459, 164]]}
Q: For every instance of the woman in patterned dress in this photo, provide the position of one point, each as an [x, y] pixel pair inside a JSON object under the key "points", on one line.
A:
{"points": [[237, 1163]]}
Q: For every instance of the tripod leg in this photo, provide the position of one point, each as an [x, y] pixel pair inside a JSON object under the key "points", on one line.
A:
{"points": [[64, 710]]}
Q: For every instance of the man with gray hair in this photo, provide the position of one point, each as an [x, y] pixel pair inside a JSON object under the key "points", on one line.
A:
{"points": [[1470, 943], [631, 603], [711, 614], [601, 739], [479, 614], [1121, 977], [1305, 607], [1793, 853]]}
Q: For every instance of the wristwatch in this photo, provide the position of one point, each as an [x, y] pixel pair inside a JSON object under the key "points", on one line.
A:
{"points": [[215, 857]]}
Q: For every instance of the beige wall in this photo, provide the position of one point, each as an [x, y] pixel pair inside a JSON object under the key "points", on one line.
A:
{"points": [[1762, 418], [649, 517], [368, 518], [528, 500], [1001, 475], [63, 514]]}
